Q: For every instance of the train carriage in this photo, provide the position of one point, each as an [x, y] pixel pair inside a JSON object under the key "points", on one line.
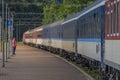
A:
{"points": [[29, 38], [46, 38], [112, 38], [26, 37], [90, 41], [39, 37], [69, 38], [34, 37], [55, 34]]}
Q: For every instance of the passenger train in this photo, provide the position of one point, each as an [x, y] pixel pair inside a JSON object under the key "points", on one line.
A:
{"points": [[90, 37]]}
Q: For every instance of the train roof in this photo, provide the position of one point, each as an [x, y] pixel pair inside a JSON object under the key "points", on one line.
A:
{"points": [[36, 29], [93, 6], [44, 26], [54, 24], [27, 32]]}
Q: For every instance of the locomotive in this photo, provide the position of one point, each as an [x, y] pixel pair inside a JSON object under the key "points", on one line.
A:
{"points": [[90, 37]]}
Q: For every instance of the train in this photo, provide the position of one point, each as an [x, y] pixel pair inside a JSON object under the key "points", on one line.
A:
{"points": [[90, 37]]}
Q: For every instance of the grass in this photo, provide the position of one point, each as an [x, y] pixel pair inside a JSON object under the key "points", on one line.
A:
{"points": [[92, 73]]}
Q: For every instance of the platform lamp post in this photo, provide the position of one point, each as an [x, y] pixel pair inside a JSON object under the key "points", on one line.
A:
{"points": [[6, 31], [12, 26], [2, 35], [0, 28], [9, 34], [10, 30]]}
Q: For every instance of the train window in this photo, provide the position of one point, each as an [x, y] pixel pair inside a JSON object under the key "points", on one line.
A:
{"points": [[84, 30], [117, 19], [109, 19], [95, 15], [112, 20], [30, 36], [69, 30], [87, 25], [96, 27], [78, 27], [118, 4], [45, 33], [119, 16], [92, 26], [55, 32], [81, 28], [95, 33], [39, 34], [108, 22]]}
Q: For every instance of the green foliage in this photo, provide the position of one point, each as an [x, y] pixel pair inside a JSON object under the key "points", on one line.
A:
{"points": [[56, 11]]}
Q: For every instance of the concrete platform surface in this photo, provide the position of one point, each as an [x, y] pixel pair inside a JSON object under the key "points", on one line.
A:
{"points": [[34, 64]]}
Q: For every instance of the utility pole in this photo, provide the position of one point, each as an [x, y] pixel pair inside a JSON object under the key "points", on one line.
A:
{"points": [[2, 32], [9, 34], [6, 31]]}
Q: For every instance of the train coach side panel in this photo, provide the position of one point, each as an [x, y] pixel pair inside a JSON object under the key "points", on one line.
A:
{"points": [[55, 36], [90, 49], [46, 42], [112, 53], [112, 34], [39, 41], [68, 45], [69, 36], [46, 36], [56, 43], [27, 41], [90, 38]]}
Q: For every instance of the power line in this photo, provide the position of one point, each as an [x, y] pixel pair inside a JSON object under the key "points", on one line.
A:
{"points": [[41, 4], [29, 13], [27, 19], [38, 24], [26, 3]]}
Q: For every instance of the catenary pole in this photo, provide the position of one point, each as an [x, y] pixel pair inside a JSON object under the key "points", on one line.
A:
{"points": [[2, 32], [6, 31]]}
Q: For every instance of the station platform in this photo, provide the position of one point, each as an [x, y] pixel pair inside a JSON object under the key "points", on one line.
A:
{"points": [[35, 64]]}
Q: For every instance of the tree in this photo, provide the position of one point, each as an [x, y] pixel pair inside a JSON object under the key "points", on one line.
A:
{"points": [[56, 11]]}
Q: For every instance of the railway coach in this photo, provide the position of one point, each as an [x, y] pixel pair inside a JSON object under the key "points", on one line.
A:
{"points": [[90, 40], [69, 37], [25, 38], [52, 37], [83, 36], [37, 37], [55, 35], [112, 39]]}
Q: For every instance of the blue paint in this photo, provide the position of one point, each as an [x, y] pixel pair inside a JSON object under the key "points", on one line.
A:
{"points": [[90, 40], [68, 39], [59, 1], [9, 23], [102, 35]]}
